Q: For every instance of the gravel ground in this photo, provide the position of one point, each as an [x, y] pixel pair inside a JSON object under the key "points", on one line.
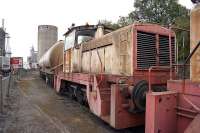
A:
{"points": [[34, 107]]}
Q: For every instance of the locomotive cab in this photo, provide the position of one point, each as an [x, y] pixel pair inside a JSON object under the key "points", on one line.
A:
{"points": [[74, 38]]}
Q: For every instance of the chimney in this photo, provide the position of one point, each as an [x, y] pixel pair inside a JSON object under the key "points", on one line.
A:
{"points": [[100, 31]]}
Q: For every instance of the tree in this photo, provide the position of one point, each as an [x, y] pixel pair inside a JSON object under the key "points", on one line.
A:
{"points": [[110, 24], [124, 21], [165, 12], [183, 36], [157, 11]]}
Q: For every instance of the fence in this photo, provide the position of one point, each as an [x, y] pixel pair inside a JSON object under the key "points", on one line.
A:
{"points": [[5, 85]]}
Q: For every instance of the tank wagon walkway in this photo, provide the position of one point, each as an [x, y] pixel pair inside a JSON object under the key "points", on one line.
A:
{"points": [[36, 108]]}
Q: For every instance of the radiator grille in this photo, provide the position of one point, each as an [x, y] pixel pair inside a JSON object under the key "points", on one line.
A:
{"points": [[164, 53], [173, 50], [146, 50]]}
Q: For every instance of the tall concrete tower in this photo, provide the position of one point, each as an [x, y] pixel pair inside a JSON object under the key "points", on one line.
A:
{"points": [[2, 42], [47, 36]]}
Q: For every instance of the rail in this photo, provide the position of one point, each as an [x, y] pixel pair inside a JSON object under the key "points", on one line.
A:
{"points": [[186, 61], [52, 69], [189, 57], [171, 66]]}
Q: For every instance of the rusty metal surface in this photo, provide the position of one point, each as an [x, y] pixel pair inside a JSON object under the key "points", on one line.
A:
{"points": [[188, 102], [110, 53], [117, 51], [194, 37], [161, 113], [194, 125]]}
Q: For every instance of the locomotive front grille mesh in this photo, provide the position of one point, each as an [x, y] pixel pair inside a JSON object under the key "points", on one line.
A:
{"points": [[164, 50], [173, 50], [146, 50]]}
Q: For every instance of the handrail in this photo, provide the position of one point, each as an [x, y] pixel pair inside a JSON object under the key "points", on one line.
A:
{"points": [[189, 57], [193, 51], [159, 68], [186, 61], [56, 67], [101, 79], [168, 67]]}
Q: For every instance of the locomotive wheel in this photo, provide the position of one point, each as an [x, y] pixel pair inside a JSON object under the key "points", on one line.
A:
{"points": [[139, 95], [80, 96]]}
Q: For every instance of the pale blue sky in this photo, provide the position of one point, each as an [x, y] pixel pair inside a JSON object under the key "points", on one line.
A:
{"points": [[23, 16]]}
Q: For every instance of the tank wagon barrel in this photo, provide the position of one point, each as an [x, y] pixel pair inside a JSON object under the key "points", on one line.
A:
{"points": [[51, 59]]}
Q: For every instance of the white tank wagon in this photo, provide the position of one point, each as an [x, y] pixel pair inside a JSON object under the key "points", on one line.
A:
{"points": [[51, 59]]}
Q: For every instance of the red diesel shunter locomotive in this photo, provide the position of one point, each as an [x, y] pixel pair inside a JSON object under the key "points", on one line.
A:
{"points": [[109, 70]]}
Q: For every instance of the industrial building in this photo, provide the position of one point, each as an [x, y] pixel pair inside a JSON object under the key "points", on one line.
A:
{"points": [[2, 41], [32, 59]]}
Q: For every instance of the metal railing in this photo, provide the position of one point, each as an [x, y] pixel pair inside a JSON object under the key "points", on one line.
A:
{"points": [[5, 85], [184, 65]]}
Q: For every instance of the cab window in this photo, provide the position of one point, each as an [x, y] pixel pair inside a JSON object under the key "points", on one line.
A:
{"points": [[83, 38], [70, 40]]}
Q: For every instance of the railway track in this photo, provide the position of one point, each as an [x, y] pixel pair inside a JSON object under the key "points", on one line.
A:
{"points": [[61, 112]]}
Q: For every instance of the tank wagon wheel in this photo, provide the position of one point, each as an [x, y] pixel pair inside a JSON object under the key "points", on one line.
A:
{"points": [[139, 93]]}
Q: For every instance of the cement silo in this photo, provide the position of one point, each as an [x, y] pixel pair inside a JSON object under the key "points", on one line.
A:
{"points": [[2, 42], [47, 36]]}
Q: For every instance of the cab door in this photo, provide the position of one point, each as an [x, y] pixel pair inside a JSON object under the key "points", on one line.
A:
{"points": [[67, 61], [69, 44]]}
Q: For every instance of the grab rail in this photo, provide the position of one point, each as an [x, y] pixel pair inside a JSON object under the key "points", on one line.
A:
{"points": [[186, 61], [157, 68], [189, 57]]}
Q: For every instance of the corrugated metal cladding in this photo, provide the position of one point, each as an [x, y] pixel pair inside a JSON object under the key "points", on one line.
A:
{"points": [[2, 42], [147, 51], [47, 36]]}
